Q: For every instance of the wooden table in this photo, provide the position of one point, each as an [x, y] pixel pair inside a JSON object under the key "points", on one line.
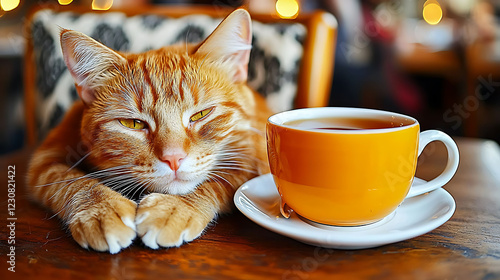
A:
{"points": [[466, 247]]}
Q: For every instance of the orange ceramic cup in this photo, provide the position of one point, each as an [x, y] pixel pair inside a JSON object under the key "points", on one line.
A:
{"points": [[349, 177]]}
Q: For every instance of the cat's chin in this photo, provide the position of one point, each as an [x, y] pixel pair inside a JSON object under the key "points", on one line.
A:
{"points": [[177, 187]]}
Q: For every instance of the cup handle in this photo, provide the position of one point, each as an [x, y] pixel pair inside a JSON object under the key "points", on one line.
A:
{"points": [[451, 167]]}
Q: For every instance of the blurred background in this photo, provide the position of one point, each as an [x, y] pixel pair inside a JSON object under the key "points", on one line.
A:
{"points": [[436, 60]]}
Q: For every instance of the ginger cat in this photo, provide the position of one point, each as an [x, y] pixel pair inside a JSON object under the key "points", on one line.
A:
{"points": [[176, 127]]}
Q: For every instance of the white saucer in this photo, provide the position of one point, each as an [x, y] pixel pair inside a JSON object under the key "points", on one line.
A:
{"points": [[258, 199]]}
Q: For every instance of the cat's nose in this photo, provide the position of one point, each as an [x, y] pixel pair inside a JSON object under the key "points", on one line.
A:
{"points": [[173, 159]]}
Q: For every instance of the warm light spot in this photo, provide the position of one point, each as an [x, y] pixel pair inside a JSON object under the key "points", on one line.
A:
{"points": [[432, 12], [9, 5], [65, 2], [102, 4], [287, 8]]}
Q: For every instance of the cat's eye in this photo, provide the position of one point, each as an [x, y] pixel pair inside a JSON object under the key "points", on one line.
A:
{"points": [[132, 123], [200, 115]]}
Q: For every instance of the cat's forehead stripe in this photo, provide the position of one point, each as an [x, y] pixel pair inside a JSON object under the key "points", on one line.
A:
{"points": [[147, 78], [138, 97]]}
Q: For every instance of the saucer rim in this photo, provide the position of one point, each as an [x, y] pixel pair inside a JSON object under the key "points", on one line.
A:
{"points": [[338, 239]]}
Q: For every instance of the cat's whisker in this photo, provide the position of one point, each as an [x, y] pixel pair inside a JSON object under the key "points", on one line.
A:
{"points": [[235, 148], [141, 194], [130, 185], [248, 160], [118, 184], [147, 186], [214, 173], [240, 155], [124, 167], [65, 207], [95, 174], [68, 204], [86, 177], [56, 193], [126, 184], [216, 180], [130, 189], [240, 169], [221, 171], [233, 160], [232, 164], [237, 160], [235, 152], [78, 162]]}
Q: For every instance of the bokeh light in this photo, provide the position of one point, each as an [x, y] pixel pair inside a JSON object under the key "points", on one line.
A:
{"points": [[287, 8], [102, 4], [9, 5], [65, 2], [432, 12]]}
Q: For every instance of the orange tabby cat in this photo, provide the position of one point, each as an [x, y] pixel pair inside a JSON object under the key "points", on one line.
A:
{"points": [[177, 126]]}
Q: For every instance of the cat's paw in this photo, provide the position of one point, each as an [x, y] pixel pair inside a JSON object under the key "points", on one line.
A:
{"points": [[164, 220], [105, 226]]}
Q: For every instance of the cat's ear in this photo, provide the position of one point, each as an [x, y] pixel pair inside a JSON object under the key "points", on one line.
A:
{"points": [[88, 62], [231, 42]]}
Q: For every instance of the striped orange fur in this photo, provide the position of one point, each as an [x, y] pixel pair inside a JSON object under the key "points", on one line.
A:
{"points": [[177, 128]]}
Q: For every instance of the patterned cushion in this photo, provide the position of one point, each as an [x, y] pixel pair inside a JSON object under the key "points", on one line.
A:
{"points": [[273, 69]]}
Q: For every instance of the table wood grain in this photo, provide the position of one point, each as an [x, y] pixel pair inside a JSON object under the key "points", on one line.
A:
{"points": [[466, 247]]}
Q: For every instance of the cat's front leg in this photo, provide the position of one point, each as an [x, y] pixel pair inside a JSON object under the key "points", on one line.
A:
{"points": [[165, 220], [97, 216]]}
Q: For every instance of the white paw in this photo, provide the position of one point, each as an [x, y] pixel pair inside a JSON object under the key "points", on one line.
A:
{"points": [[119, 240], [107, 226], [166, 221]]}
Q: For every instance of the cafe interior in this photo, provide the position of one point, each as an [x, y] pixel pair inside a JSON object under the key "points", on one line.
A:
{"points": [[438, 61], [435, 60]]}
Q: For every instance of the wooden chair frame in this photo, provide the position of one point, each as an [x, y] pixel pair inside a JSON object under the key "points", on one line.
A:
{"points": [[315, 73]]}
